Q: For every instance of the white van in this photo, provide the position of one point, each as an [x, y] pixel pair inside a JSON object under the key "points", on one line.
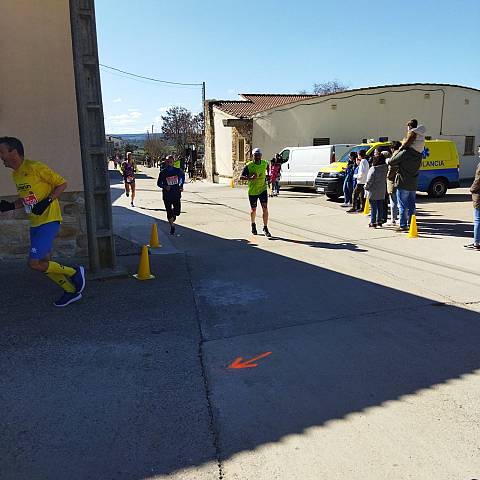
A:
{"points": [[300, 165]]}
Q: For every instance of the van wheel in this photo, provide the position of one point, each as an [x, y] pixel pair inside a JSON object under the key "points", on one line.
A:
{"points": [[438, 188], [332, 196]]}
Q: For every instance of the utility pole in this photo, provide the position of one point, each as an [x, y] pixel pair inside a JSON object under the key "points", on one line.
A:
{"points": [[203, 110], [101, 244]]}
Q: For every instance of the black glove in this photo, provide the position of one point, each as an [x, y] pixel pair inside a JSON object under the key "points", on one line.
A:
{"points": [[41, 206], [6, 206]]}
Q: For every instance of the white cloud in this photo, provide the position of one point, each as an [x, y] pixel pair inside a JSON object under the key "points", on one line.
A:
{"points": [[164, 108], [124, 119], [157, 125], [118, 100]]}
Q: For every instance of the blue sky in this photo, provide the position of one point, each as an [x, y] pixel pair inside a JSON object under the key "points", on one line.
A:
{"points": [[267, 46]]}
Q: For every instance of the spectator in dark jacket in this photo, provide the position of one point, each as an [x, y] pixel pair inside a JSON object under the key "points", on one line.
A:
{"points": [[376, 187], [391, 187], [360, 175], [348, 182], [408, 160], [475, 190]]}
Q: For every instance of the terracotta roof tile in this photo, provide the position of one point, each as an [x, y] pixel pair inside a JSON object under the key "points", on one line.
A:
{"points": [[257, 102]]}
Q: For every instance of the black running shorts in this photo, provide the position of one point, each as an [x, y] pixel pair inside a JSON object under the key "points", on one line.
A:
{"points": [[172, 205], [263, 197]]}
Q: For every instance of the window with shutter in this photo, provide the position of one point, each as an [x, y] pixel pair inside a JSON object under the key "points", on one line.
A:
{"points": [[469, 146], [321, 141]]}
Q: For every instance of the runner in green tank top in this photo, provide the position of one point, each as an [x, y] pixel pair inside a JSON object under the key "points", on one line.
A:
{"points": [[256, 174]]}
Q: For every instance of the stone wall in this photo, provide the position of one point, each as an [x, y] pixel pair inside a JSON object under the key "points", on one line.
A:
{"points": [[71, 241], [209, 140], [246, 132]]}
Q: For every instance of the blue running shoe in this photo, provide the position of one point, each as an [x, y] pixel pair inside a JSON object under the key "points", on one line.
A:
{"points": [[67, 298], [78, 279]]}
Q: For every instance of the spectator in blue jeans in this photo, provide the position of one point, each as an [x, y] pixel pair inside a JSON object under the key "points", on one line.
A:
{"points": [[348, 182], [475, 191], [408, 159]]}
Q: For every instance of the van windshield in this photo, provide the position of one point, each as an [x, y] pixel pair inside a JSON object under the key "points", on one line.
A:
{"points": [[353, 149], [285, 155]]}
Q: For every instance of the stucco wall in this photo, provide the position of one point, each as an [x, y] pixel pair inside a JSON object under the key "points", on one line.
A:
{"points": [[38, 105], [37, 88], [360, 114], [223, 147]]}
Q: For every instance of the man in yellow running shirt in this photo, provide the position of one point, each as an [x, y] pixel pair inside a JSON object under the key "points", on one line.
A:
{"points": [[255, 172], [39, 188]]}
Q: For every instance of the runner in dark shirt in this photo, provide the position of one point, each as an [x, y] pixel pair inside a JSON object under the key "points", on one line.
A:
{"points": [[171, 180]]}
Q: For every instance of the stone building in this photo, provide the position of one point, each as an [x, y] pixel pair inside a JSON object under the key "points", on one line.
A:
{"points": [[273, 122], [50, 99], [229, 131], [113, 145]]}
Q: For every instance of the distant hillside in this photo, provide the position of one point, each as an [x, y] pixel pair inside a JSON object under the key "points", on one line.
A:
{"points": [[134, 137]]}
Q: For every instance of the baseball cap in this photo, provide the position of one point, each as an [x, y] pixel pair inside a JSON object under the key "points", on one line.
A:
{"points": [[256, 151]]}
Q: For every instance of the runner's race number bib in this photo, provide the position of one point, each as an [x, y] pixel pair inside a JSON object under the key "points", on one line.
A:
{"points": [[130, 179], [29, 201], [172, 180]]}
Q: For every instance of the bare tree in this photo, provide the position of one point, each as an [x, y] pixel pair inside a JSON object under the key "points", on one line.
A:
{"points": [[198, 128], [177, 126], [155, 147], [333, 86]]}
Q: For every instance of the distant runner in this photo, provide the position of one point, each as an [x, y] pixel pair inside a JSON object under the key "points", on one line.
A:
{"points": [[129, 169], [171, 180], [255, 172], [39, 188]]}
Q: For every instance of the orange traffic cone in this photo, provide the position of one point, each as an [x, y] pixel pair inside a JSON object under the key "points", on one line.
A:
{"points": [[154, 243], [144, 266], [366, 209], [413, 232]]}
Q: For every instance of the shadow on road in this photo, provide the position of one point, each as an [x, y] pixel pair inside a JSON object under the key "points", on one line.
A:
{"points": [[112, 387], [443, 226], [330, 246]]}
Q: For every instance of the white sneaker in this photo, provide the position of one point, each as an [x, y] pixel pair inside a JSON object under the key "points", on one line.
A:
{"points": [[391, 223]]}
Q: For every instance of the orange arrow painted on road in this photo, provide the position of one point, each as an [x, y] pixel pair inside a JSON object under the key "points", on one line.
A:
{"points": [[240, 363]]}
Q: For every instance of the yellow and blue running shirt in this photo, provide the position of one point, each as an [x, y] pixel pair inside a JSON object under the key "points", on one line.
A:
{"points": [[36, 181]]}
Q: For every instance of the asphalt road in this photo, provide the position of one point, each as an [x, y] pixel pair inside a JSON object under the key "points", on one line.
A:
{"points": [[370, 366]]}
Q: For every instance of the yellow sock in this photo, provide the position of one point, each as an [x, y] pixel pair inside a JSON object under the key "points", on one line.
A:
{"points": [[61, 280], [54, 267]]}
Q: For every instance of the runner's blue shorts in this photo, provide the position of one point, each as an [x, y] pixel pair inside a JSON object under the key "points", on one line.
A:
{"points": [[41, 239]]}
